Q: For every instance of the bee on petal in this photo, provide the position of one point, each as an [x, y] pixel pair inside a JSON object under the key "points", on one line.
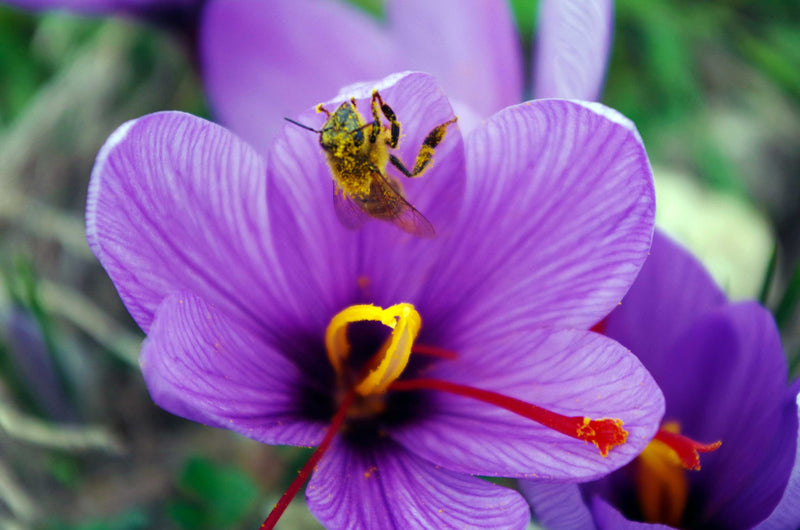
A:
{"points": [[358, 155]]}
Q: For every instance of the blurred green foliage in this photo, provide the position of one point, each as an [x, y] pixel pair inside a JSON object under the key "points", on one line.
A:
{"points": [[212, 496], [128, 520]]}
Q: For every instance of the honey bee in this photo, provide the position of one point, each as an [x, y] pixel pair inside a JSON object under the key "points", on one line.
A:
{"points": [[358, 155]]}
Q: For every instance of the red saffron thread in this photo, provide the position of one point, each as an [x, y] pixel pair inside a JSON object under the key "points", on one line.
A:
{"points": [[687, 449], [433, 351], [302, 476], [605, 433]]}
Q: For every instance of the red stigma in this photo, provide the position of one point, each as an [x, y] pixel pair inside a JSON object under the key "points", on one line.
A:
{"points": [[600, 327], [687, 449], [605, 433], [303, 474], [433, 351]]}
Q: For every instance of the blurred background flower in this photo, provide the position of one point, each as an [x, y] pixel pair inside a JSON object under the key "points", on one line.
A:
{"points": [[713, 87]]}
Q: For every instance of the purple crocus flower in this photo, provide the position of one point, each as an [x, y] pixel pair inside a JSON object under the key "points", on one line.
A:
{"points": [[256, 301], [723, 373]]}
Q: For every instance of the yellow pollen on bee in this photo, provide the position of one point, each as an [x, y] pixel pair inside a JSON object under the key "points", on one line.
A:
{"points": [[390, 361]]}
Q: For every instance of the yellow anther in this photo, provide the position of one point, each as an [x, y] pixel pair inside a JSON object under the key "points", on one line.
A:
{"points": [[390, 361], [662, 484]]}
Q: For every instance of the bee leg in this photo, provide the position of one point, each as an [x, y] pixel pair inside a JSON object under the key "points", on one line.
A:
{"points": [[425, 154], [320, 108], [376, 119], [377, 102]]}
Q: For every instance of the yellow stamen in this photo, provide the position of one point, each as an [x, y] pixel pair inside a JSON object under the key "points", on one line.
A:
{"points": [[663, 487], [387, 365], [662, 484]]}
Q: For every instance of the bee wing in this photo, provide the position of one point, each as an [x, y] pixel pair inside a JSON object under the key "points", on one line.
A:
{"points": [[399, 211], [348, 212]]}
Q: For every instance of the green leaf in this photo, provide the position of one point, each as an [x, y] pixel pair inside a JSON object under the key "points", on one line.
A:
{"points": [[769, 276], [788, 304], [214, 496]]}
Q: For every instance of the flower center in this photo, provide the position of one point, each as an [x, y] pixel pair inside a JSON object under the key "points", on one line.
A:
{"points": [[389, 361], [362, 390], [662, 485]]}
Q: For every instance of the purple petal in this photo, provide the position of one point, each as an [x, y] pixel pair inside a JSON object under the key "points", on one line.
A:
{"points": [[570, 372], [384, 486], [178, 203], [671, 292], [263, 61], [199, 364], [557, 505], [332, 261], [787, 513], [475, 54], [558, 212], [731, 386], [572, 48], [607, 517]]}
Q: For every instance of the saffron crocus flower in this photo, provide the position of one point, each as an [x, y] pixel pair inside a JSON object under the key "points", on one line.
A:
{"points": [[262, 64], [475, 358], [723, 373]]}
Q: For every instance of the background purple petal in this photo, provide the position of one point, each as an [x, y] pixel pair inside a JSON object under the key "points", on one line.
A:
{"points": [[559, 209], [731, 386], [384, 486], [787, 513], [200, 365], [178, 203], [571, 372], [470, 46], [672, 290], [557, 505], [285, 56], [606, 517], [572, 48]]}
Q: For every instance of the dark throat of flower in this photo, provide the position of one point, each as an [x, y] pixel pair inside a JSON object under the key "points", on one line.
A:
{"points": [[363, 394]]}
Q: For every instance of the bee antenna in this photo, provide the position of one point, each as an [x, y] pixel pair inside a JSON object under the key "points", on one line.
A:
{"points": [[306, 127]]}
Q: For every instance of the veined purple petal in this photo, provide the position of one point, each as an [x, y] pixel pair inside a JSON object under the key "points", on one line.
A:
{"points": [[384, 486], [787, 513], [283, 57], [731, 386], [345, 265], [475, 54], [199, 364], [672, 290], [570, 372], [559, 206], [179, 203], [557, 505], [606, 517], [572, 48]]}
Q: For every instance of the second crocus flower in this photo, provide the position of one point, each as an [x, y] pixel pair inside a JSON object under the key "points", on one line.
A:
{"points": [[723, 373]]}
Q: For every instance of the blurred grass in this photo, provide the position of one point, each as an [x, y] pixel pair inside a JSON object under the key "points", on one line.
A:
{"points": [[714, 88]]}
